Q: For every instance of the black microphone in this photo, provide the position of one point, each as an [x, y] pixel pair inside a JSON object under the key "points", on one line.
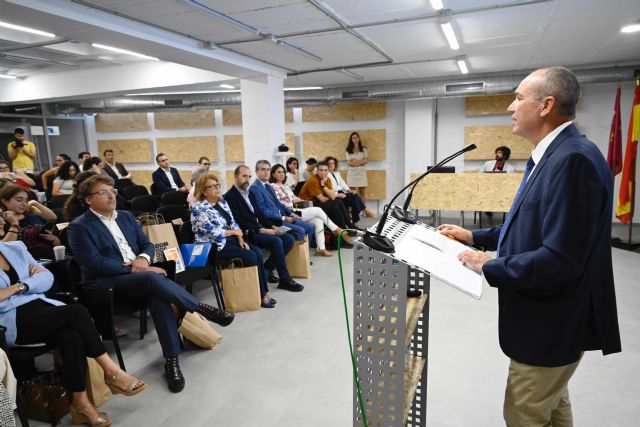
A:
{"points": [[405, 214]]}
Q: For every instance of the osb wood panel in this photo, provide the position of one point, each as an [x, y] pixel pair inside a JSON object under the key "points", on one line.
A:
{"points": [[488, 138], [290, 140], [339, 112], [184, 119], [377, 188], [127, 150], [142, 177], [233, 148], [233, 116], [493, 192], [488, 104], [334, 143], [188, 149], [230, 180], [121, 122]]}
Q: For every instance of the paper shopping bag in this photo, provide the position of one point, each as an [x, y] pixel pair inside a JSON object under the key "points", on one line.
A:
{"points": [[197, 330], [298, 260], [165, 242], [241, 288], [96, 388]]}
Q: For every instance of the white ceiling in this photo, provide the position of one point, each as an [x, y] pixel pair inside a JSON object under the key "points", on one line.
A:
{"points": [[495, 36]]}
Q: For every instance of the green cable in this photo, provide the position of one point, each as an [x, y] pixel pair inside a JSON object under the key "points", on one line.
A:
{"points": [[346, 316]]}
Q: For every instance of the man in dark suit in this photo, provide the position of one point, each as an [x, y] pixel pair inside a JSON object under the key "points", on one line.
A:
{"points": [[263, 232], [553, 267], [166, 178], [114, 169], [113, 253]]}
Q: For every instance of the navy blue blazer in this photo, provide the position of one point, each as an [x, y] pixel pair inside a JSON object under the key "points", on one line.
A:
{"points": [[554, 274], [96, 250], [268, 202], [162, 184], [246, 219]]}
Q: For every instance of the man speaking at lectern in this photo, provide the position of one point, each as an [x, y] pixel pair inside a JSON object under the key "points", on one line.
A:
{"points": [[553, 262]]}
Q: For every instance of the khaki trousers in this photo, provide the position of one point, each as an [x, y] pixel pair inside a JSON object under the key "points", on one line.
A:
{"points": [[538, 396]]}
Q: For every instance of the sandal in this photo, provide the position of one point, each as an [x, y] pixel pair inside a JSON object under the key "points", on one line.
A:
{"points": [[78, 418], [135, 387]]}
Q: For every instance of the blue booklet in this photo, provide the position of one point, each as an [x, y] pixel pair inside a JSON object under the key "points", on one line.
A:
{"points": [[195, 254]]}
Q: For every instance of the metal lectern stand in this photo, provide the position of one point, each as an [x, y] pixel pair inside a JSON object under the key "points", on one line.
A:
{"points": [[391, 335]]}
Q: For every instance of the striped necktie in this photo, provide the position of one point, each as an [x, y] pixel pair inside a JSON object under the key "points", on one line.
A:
{"points": [[527, 172]]}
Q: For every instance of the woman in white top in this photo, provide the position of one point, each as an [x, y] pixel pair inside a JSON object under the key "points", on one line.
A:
{"points": [[293, 172], [352, 199], [314, 215], [65, 177], [357, 158]]}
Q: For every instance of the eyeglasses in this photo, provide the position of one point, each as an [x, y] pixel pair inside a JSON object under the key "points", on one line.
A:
{"points": [[215, 186], [105, 192]]}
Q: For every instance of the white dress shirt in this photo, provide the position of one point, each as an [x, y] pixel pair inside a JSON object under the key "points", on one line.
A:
{"points": [[115, 169], [170, 177], [125, 249]]}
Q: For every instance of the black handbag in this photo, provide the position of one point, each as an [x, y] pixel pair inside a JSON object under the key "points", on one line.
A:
{"points": [[44, 399]]}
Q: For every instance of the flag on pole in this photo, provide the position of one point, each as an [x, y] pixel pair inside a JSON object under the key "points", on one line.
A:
{"points": [[624, 210], [614, 156]]}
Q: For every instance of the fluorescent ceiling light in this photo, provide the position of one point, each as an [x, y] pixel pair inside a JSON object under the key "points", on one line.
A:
{"points": [[26, 29], [436, 4], [126, 52], [226, 86], [462, 64], [188, 92], [303, 88], [631, 28], [7, 76], [447, 29]]}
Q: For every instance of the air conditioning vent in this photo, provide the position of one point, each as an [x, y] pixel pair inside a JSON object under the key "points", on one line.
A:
{"points": [[173, 102], [464, 87], [355, 94]]}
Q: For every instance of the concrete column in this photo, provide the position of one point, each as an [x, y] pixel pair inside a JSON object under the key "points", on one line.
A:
{"points": [[262, 118], [419, 136]]}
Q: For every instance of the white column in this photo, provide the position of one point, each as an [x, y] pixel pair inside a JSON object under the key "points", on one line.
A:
{"points": [[419, 136], [262, 118]]}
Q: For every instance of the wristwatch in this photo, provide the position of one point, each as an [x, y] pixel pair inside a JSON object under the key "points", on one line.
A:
{"points": [[22, 287]]}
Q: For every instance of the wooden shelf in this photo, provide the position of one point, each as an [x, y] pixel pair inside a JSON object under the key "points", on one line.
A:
{"points": [[412, 373], [414, 308]]}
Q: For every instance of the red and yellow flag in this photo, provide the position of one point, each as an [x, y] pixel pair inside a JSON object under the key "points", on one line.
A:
{"points": [[624, 210], [614, 155]]}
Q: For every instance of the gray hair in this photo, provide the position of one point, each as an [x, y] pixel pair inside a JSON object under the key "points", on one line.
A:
{"points": [[563, 85], [262, 162]]}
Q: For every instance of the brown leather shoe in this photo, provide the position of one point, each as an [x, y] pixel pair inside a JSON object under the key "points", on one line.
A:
{"points": [[323, 252], [345, 237]]}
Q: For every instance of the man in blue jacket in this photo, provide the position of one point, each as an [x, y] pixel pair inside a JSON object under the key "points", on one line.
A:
{"points": [[112, 252], [166, 178], [553, 267], [272, 208]]}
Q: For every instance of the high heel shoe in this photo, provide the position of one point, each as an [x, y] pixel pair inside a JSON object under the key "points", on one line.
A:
{"points": [[135, 387], [79, 418]]}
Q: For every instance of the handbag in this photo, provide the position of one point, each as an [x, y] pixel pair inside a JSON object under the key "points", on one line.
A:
{"points": [[240, 287], [44, 399], [298, 262]]}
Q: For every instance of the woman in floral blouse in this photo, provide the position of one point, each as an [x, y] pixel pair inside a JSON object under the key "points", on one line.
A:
{"points": [[212, 221], [314, 215]]}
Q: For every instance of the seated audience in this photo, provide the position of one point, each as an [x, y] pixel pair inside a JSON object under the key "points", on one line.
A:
{"points": [[73, 206], [32, 218], [261, 231], [500, 163], [18, 177], [191, 197], [31, 317], [351, 197], [82, 156], [310, 169], [166, 178], [112, 252], [65, 177], [203, 165], [51, 173], [314, 215], [212, 221], [319, 190], [94, 164], [271, 207], [293, 173], [113, 169]]}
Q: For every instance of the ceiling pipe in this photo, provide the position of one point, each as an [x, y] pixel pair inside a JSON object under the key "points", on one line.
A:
{"points": [[33, 45]]}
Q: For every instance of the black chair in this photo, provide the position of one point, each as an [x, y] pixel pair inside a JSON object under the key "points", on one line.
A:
{"points": [[57, 202], [209, 271], [142, 204], [154, 190], [121, 184], [174, 198], [59, 215], [49, 189], [132, 191], [103, 309], [171, 212]]}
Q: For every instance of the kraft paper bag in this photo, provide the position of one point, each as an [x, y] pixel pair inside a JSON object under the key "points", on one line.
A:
{"points": [[298, 262], [196, 329], [165, 242], [96, 388], [241, 288]]}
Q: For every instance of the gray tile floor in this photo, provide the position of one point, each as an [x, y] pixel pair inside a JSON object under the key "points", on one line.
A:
{"points": [[289, 367]]}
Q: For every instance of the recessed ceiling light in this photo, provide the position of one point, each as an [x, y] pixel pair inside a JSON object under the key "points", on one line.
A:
{"points": [[26, 29], [631, 28], [126, 52], [450, 35], [462, 65], [7, 76], [187, 92], [436, 4], [303, 88], [226, 86]]}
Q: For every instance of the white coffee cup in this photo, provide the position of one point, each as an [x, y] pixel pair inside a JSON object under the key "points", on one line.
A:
{"points": [[59, 252]]}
